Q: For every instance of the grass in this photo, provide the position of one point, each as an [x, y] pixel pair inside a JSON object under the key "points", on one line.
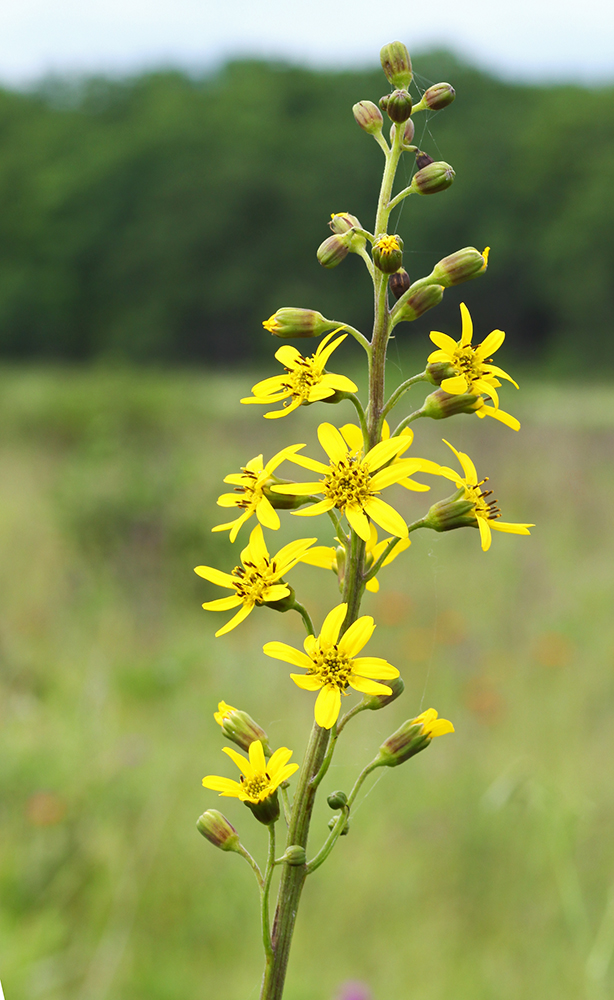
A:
{"points": [[483, 868]]}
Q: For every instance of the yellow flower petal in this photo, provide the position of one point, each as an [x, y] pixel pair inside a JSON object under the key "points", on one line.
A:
{"points": [[366, 686], [276, 592], [445, 344], [440, 727], [281, 651], [358, 520], [386, 516], [353, 437], [490, 344], [267, 515], [223, 603], [307, 682], [373, 585], [229, 500], [511, 529], [485, 535], [374, 667], [225, 786], [241, 762], [467, 326], [456, 385], [331, 626], [332, 442], [215, 576], [240, 616], [278, 761], [357, 636], [287, 356], [285, 410], [256, 757], [501, 415], [327, 707], [323, 556], [297, 489], [385, 450], [316, 508]]}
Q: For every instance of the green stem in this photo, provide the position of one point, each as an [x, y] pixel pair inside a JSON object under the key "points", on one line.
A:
{"points": [[369, 263], [356, 334], [330, 841], [360, 707], [407, 421], [264, 899], [399, 197], [396, 395], [361, 415], [341, 535], [251, 862], [329, 756], [297, 606], [285, 798], [366, 771], [377, 565]]}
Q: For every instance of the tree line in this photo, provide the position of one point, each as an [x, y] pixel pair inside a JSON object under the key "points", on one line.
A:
{"points": [[164, 216]]}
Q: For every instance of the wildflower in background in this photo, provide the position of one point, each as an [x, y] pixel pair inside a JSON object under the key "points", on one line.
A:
{"points": [[325, 556], [332, 665], [249, 493], [473, 374], [352, 482], [257, 581], [259, 778], [481, 510], [305, 380]]}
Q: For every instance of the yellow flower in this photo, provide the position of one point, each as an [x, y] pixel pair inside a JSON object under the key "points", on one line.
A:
{"points": [[474, 375], [332, 665], [259, 779], [249, 492], [353, 480], [223, 712], [325, 556], [486, 511], [431, 725], [305, 380], [257, 581]]}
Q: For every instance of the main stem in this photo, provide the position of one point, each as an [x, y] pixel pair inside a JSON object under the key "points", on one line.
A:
{"points": [[293, 876]]}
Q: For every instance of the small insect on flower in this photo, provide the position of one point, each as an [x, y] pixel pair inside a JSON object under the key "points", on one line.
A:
{"points": [[473, 374], [257, 580], [476, 507], [353, 480], [259, 778], [305, 380], [249, 495], [332, 665]]}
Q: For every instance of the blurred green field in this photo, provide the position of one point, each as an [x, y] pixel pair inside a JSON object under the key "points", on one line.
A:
{"points": [[482, 869]]}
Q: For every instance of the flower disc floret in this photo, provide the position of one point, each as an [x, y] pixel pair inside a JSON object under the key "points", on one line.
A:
{"points": [[332, 665], [474, 374], [259, 779], [305, 380], [257, 581], [249, 492]]}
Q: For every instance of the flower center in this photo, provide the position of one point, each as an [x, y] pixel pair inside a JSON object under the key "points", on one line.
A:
{"points": [[465, 360], [387, 245], [332, 667], [252, 490], [252, 581], [303, 377], [257, 787], [483, 507], [348, 482]]}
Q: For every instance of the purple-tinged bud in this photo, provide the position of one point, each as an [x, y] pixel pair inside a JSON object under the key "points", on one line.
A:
{"points": [[388, 253], [376, 701], [239, 727], [341, 222], [436, 371], [437, 97], [218, 831], [396, 64], [419, 301], [290, 322], [440, 405], [334, 249], [399, 282], [432, 178], [409, 132], [461, 266], [398, 106], [453, 512], [412, 737], [423, 159], [368, 116]]}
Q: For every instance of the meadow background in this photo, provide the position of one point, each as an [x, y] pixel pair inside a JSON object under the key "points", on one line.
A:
{"points": [[131, 231]]}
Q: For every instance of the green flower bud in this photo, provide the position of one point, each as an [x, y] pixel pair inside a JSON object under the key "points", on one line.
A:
{"points": [[419, 300], [346, 826], [218, 831], [453, 512], [438, 96], [434, 177], [440, 405], [337, 800], [239, 727], [408, 132], [285, 603], [460, 266], [399, 283], [295, 855], [266, 811], [340, 555], [388, 253], [368, 116], [396, 64], [334, 249], [398, 106], [406, 742], [341, 222], [282, 501], [436, 371], [374, 702], [290, 322]]}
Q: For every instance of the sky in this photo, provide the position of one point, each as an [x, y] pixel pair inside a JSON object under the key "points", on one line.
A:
{"points": [[518, 39]]}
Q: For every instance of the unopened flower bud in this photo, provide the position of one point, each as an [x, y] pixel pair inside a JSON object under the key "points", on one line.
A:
{"points": [[398, 106], [290, 322], [340, 557], [440, 405], [368, 116], [461, 266], [217, 830], [337, 819], [423, 159], [239, 727], [438, 96], [340, 222], [396, 64], [337, 800], [399, 282], [266, 811], [433, 178], [412, 737], [408, 132], [388, 253], [334, 249], [436, 371], [295, 855], [419, 301], [373, 702], [453, 512]]}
